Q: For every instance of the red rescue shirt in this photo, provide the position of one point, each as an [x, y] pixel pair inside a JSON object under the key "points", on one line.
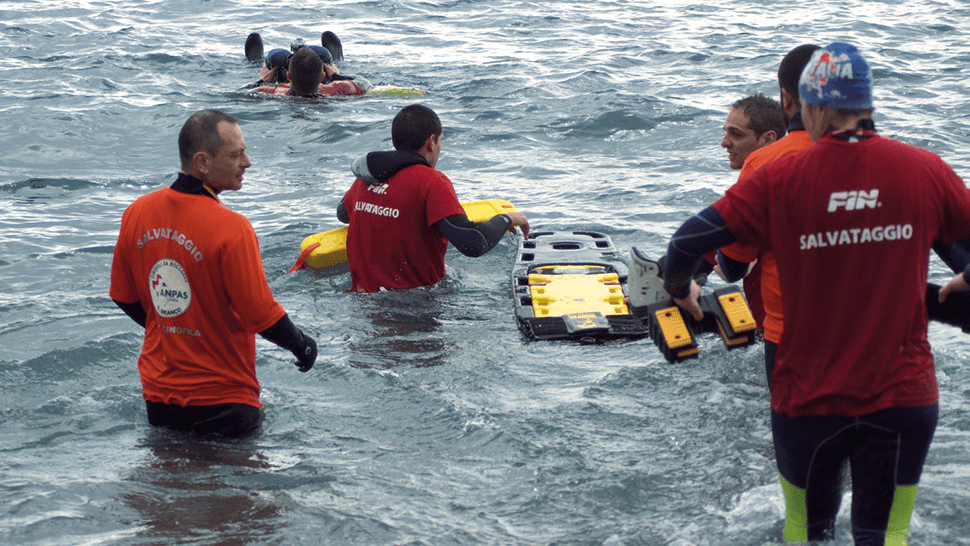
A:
{"points": [[852, 260], [391, 241]]}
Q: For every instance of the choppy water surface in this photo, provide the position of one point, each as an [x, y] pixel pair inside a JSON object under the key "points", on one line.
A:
{"points": [[428, 419]]}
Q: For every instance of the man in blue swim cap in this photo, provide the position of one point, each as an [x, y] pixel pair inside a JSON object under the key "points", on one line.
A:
{"points": [[835, 90], [850, 222], [276, 67]]}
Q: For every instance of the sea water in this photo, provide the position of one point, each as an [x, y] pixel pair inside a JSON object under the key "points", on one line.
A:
{"points": [[428, 418]]}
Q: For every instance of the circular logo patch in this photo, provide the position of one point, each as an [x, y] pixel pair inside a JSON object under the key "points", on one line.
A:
{"points": [[170, 290]]}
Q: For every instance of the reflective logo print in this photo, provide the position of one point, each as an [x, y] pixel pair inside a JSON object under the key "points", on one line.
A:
{"points": [[854, 200], [170, 290], [374, 209]]}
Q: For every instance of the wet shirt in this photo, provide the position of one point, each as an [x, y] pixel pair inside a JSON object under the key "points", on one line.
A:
{"points": [[391, 241], [851, 223], [196, 269]]}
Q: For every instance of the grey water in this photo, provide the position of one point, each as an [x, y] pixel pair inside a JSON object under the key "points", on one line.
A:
{"points": [[428, 418]]}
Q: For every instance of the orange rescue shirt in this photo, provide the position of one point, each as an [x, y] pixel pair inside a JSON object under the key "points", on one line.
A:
{"points": [[792, 143], [196, 269]]}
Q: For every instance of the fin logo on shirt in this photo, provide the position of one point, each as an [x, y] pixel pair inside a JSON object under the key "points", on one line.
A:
{"points": [[854, 200], [169, 286]]}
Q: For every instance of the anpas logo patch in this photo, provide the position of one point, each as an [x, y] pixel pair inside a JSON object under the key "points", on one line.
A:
{"points": [[171, 294]]}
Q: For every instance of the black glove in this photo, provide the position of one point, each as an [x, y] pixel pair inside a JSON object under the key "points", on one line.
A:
{"points": [[306, 352]]}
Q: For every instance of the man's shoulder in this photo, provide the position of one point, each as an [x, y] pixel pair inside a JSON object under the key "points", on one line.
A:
{"points": [[148, 200], [792, 143], [422, 173]]}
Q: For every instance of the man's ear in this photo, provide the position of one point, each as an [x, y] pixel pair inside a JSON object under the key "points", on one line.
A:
{"points": [[429, 143], [202, 160], [788, 101], [768, 137]]}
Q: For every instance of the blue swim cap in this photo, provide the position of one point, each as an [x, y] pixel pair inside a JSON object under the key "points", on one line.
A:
{"points": [[323, 52], [837, 77]]}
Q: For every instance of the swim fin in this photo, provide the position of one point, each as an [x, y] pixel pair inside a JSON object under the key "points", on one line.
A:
{"points": [[254, 48], [330, 41]]}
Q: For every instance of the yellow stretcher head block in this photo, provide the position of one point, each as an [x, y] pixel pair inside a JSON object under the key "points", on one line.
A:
{"points": [[674, 329], [737, 312]]}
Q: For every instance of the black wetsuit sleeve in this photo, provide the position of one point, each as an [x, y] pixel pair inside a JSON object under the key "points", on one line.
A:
{"points": [[286, 335], [283, 333], [473, 238], [133, 310], [699, 235], [732, 270], [956, 255], [342, 212], [954, 311]]}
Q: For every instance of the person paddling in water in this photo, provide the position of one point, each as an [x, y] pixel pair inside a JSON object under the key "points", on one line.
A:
{"points": [[304, 70]]}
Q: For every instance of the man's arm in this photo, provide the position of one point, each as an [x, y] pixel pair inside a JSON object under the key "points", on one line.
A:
{"points": [[342, 212], [133, 310], [731, 270], [702, 233], [474, 239]]}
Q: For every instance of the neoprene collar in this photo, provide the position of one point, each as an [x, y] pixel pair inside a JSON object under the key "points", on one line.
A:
{"points": [[186, 183], [865, 129], [796, 123], [376, 167]]}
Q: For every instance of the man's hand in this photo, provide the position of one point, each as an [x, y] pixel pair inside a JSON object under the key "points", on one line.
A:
{"points": [[305, 353], [956, 284], [267, 75], [690, 303], [519, 220]]}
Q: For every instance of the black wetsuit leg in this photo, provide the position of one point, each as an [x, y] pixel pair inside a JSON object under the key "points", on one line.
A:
{"points": [[885, 451], [232, 420]]}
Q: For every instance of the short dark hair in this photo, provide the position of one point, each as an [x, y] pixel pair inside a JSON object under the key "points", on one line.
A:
{"points": [[790, 69], [201, 132], [765, 114], [306, 70], [412, 126]]}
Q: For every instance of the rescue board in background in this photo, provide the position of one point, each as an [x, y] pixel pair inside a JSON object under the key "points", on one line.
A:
{"points": [[328, 249]]}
